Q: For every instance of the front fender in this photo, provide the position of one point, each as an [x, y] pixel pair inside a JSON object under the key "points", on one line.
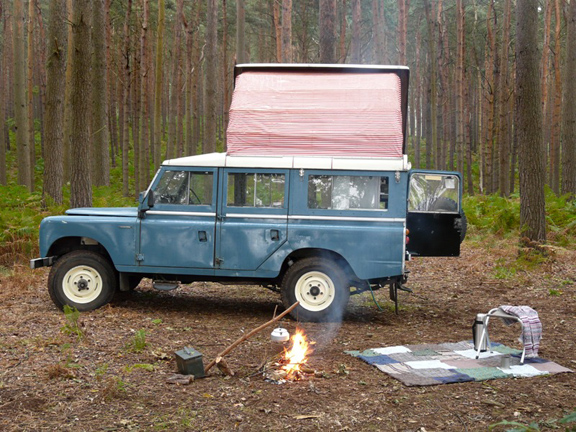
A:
{"points": [[116, 234]]}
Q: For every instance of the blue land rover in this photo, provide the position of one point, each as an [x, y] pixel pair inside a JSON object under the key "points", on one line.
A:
{"points": [[315, 227]]}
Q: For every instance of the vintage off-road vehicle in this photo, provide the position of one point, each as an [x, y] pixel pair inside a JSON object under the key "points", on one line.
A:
{"points": [[315, 221]]}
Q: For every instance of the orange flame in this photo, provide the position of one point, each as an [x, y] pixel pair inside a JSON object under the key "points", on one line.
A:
{"points": [[296, 356]]}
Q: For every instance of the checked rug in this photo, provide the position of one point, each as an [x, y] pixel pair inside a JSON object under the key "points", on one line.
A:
{"points": [[432, 364]]}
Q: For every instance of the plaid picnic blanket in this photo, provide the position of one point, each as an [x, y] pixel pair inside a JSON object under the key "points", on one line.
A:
{"points": [[432, 364]]}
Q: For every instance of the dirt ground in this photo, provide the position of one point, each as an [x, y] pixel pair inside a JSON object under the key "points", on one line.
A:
{"points": [[50, 380]]}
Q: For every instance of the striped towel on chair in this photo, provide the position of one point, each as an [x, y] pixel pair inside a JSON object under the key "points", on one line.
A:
{"points": [[532, 327]]}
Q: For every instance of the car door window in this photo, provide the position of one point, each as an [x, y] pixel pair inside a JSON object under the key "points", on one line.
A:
{"points": [[344, 192], [256, 190], [185, 188]]}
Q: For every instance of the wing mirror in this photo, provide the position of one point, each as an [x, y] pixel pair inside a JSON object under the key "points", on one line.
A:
{"points": [[146, 203]]}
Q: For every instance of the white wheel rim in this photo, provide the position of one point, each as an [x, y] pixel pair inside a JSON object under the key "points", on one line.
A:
{"points": [[315, 291], [82, 284]]}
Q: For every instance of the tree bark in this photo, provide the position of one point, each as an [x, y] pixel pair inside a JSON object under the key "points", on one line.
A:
{"points": [[30, 91], [20, 104], [342, 40], [460, 144], [100, 152], [144, 154], [126, 85], [327, 30], [356, 44], [287, 31], [432, 90], [158, 86], [4, 99], [80, 93], [556, 113], [529, 123], [569, 108], [504, 143], [210, 89], [240, 32], [54, 116]]}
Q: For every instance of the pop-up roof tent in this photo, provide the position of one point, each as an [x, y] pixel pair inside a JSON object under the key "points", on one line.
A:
{"points": [[318, 110]]}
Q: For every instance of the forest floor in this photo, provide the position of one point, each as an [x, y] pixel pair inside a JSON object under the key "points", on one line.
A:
{"points": [[108, 380]]}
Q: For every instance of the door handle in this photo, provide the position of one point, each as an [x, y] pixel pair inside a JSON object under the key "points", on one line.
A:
{"points": [[202, 236], [275, 235]]}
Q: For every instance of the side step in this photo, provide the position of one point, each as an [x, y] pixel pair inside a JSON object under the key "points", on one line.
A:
{"points": [[163, 285]]}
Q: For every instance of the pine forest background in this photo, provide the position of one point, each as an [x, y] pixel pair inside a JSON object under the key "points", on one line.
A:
{"points": [[95, 94]]}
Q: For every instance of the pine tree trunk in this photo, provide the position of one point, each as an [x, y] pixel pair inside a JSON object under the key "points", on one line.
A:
{"points": [[30, 92], [277, 29], [546, 48], [504, 144], [342, 41], [432, 135], [287, 31], [3, 100], [327, 30], [460, 118], [55, 69], [225, 74], [144, 155], [67, 103], [356, 44], [556, 114], [240, 32], [20, 105], [100, 150], [80, 93], [569, 108], [209, 137], [126, 85], [158, 86], [529, 123]]}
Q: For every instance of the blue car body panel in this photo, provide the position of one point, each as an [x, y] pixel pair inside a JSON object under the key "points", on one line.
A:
{"points": [[221, 239]]}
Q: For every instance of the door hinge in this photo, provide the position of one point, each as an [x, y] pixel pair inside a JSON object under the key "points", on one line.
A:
{"points": [[218, 261], [139, 257]]}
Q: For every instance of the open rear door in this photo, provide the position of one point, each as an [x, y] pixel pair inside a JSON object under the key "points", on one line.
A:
{"points": [[435, 217]]}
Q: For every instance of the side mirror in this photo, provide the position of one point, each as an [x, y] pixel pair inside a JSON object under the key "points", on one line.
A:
{"points": [[146, 203], [150, 200]]}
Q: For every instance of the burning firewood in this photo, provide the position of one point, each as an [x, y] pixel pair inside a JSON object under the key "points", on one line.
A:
{"points": [[248, 335]]}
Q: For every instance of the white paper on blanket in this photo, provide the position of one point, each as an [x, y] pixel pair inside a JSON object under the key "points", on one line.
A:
{"points": [[392, 350]]}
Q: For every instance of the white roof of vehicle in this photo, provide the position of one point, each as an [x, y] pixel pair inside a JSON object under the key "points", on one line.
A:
{"points": [[307, 162]]}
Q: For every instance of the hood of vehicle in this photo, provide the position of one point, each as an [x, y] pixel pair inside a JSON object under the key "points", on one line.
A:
{"points": [[104, 211]]}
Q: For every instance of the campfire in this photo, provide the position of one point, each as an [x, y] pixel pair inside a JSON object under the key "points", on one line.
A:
{"points": [[291, 366]]}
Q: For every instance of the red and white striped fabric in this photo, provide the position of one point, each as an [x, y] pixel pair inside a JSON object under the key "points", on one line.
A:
{"points": [[318, 114]]}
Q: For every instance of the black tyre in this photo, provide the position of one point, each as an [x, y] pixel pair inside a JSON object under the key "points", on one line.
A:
{"points": [[82, 279], [321, 287]]}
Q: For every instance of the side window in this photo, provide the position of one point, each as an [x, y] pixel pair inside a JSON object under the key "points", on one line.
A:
{"points": [[434, 193], [347, 192], [201, 188], [185, 188], [255, 190]]}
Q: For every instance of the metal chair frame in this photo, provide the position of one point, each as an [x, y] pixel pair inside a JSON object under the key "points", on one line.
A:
{"points": [[496, 312]]}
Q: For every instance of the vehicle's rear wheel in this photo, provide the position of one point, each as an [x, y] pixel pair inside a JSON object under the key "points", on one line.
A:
{"points": [[321, 288], [82, 279]]}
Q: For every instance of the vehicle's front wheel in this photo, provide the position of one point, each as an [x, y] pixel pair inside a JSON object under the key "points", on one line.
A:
{"points": [[321, 288], [82, 279]]}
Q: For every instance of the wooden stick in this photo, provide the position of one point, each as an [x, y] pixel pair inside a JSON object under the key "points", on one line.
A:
{"points": [[248, 335]]}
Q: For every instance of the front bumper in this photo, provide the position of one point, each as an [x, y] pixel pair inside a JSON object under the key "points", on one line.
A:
{"points": [[42, 262]]}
